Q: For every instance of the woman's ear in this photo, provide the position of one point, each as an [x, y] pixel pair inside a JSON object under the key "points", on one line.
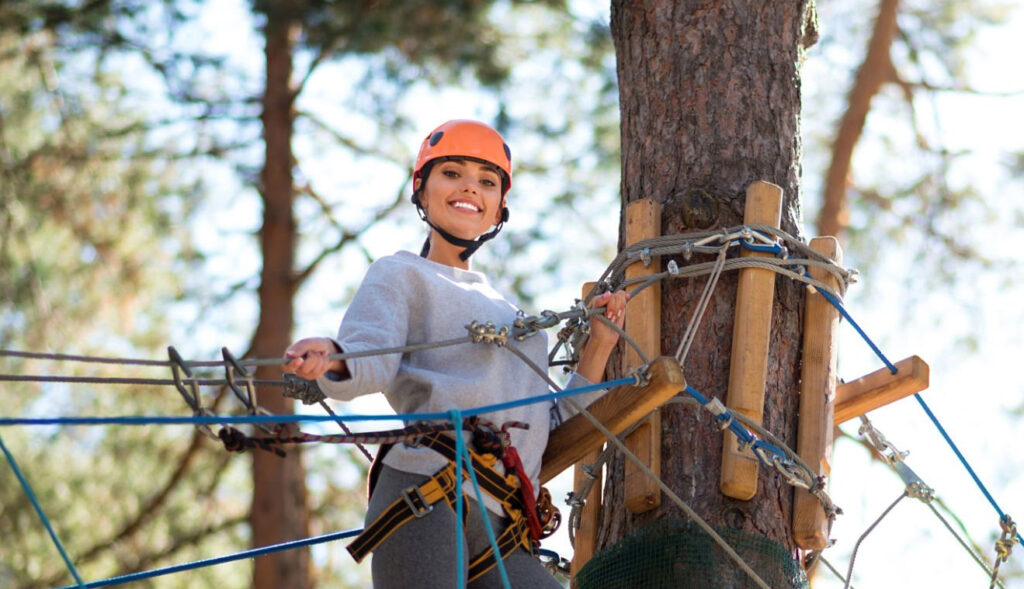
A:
{"points": [[501, 215]]}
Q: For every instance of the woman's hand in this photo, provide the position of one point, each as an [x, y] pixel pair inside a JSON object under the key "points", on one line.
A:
{"points": [[614, 303], [309, 358], [594, 355]]}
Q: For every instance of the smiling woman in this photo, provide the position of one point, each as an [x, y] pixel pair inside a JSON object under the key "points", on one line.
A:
{"points": [[477, 154], [460, 181]]}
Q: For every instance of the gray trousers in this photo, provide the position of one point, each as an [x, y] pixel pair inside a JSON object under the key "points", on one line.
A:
{"points": [[421, 553]]}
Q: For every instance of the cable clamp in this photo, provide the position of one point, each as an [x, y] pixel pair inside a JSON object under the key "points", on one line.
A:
{"points": [[672, 268], [687, 251], [645, 256], [715, 406], [488, 333], [307, 391]]}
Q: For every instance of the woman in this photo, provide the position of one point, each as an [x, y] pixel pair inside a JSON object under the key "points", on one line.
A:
{"points": [[461, 178]]}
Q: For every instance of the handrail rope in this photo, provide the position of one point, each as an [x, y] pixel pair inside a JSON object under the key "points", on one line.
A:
{"points": [[625, 257], [298, 418], [39, 511], [853, 557], [245, 554]]}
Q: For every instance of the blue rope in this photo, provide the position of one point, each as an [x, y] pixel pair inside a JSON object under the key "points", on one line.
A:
{"points": [[462, 456], [39, 511], [737, 428], [459, 533], [262, 550], [842, 310], [764, 249], [297, 418], [963, 460], [935, 421]]}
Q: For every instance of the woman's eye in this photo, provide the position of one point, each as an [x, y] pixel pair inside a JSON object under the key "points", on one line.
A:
{"points": [[488, 182], [451, 173]]}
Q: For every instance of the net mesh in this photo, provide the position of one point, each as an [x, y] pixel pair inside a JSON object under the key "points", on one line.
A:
{"points": [[678, 554]]}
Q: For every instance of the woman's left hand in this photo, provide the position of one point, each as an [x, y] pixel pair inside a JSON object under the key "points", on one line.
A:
{"points": [[614, 303]]}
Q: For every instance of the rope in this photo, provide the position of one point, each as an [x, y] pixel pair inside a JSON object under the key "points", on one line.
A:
{"points": [[853, 557], [246, 554], [462, 458], [963, 461], [967, 548], [136, 420], [698, 312], [1003, 546], [39, 511], [671, 495]]}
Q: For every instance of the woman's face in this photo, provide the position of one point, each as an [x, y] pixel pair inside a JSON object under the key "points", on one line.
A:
{"points": [[463, 197]]}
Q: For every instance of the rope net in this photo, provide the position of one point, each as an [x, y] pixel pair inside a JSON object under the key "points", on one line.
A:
{"points": [[678, 554]]}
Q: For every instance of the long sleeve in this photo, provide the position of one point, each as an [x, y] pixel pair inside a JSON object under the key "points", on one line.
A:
{"points": [[378, 318]]}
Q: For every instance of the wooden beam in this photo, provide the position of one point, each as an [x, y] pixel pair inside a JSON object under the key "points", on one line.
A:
{"points": [[585, 545], [586, 536], [620, 408], [643, 325], [817, 397], [880, 388], [751, 328]]}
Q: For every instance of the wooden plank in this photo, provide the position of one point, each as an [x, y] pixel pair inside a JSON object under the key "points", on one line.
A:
{"points": [[752, 326], [585, 545], [643, 325], [586, 536], [817, 397], [620, 408], [880, 388]]}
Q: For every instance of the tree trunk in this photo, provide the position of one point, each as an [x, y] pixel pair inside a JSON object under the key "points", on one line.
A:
{"points": [[279, 510], [710, 101]]}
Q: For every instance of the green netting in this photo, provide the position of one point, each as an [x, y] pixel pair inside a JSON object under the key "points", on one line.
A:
{"points": [[678, 554]]}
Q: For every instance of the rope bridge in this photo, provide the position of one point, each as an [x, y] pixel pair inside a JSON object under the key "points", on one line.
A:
{"points": [[788, 256]]}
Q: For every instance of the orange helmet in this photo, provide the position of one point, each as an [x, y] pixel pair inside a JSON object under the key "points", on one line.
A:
{"points": [[470, 140]]}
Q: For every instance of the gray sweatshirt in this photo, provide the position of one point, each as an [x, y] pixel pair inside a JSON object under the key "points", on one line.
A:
{"points": [[405, 299]]}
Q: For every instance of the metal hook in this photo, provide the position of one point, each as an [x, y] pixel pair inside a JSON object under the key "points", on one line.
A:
{"points": [[178, 366]]}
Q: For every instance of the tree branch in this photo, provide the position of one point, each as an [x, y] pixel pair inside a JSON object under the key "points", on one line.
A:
{"points": [[873, 73]]}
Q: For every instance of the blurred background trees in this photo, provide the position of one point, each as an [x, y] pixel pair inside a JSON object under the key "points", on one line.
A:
{"points": [[135, 139]]}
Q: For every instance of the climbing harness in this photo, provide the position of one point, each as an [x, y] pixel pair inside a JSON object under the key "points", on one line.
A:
{"points": [[508, 490]]}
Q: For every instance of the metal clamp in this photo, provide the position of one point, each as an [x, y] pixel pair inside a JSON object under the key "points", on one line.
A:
{"points": [[417, 503], [488, 333]]}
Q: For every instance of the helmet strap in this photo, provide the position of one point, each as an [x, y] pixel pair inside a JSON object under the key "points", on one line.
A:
{"points": [[470, 245]]}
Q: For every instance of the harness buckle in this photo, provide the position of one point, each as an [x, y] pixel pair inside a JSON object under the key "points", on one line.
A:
{"points": [[417, 503]]}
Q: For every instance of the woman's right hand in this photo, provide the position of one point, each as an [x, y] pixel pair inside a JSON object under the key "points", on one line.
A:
{"points": [[309, 358]]}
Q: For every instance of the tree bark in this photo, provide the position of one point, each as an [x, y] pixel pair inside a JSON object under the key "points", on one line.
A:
{"points": [[279, 510], [873, 73], [710, 102]]}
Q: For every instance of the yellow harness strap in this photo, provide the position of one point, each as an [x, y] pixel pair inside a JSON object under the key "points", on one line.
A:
{"points": [[418, 501]]}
